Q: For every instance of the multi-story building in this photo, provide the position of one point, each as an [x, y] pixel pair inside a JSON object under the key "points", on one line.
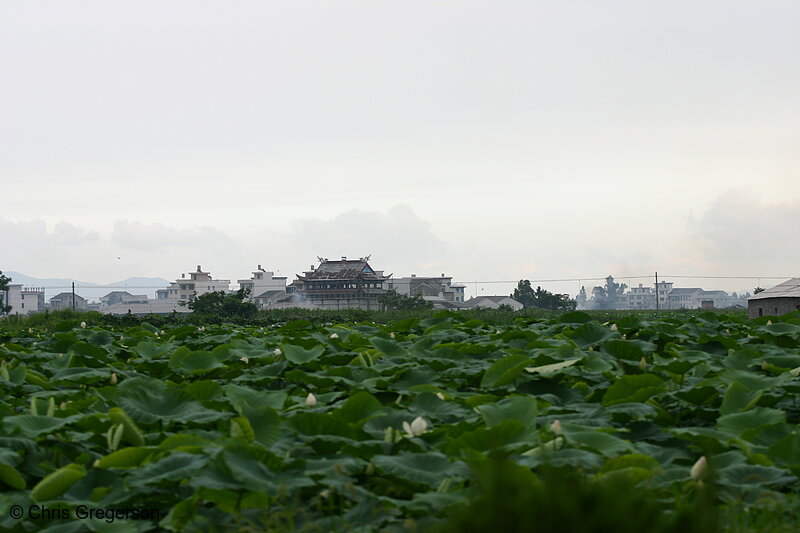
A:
{"points": [[264, 287], [349, 283], [435, 289], [23, 300], [68, 300], [198, 283], [640, 297]]}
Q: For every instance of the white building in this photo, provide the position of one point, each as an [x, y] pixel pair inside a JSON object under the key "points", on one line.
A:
{"points": [[198, 283], [265, 288], [434, 289], [492, 302], [23, 300]]}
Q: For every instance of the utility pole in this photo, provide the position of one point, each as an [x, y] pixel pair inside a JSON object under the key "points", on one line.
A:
{"points": [[73, 295], [657, 296]]}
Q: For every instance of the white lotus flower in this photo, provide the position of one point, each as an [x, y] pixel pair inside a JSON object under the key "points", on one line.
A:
{"points": [[391, 334], [556, 426], [334, 336], [416, 428], [277, 352], [113, 379], [244, 360], [699, 469], [83, 324], [311, 400], [440, 396], [614, 327]]}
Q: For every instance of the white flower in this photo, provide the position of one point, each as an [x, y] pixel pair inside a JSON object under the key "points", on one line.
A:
{"points": [[440, 396], [416, 428], [311, 400], [613, 327], [643, 363], [201, 328], [113, 379], [699, 469], [30, 330], [334, 336], [556, 426], [83, 324], [391, 334], [244, 360], [277, 352]]}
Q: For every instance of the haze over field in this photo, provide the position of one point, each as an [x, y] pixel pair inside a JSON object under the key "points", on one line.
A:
{"points": [[489, 141]]}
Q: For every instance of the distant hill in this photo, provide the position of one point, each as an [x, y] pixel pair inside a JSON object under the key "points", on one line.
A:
{"points": [[92, 291]]}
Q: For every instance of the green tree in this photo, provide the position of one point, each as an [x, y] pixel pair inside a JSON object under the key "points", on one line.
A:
{"points": [[4, 281], [607, 297], [757, 290], [541, 298], [222, 305], [392, 299]]}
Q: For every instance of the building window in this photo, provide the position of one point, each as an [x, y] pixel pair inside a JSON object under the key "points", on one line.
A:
{"points": [[760, 311]]}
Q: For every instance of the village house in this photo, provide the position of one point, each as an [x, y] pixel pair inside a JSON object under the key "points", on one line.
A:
{"points": [[199, 282], [492, 302], [433, 289], [264, 288], [349, 283], [116, 297], [23, 300], [68, 300], [778, 300]]}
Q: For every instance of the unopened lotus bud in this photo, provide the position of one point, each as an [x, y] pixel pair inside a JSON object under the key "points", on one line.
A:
{"points": [[416, 428], [96, 463], [370, 469], [244, 360], [440, 396], [311, 400], [614, 327], [334, 336], [83, 324], [113, 379], [699, 469], [643, 363], [62, 405], [769, 322], [556, 426], [392, 335], [30, 330]]}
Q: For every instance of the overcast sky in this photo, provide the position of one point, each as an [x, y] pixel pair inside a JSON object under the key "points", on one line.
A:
{"points": [[486, 140]]}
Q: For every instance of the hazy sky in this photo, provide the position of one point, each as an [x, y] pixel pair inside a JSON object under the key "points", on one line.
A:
{"points": [[486, 140]]}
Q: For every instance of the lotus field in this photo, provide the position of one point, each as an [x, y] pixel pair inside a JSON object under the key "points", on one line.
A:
{"points": [[368, 427]]}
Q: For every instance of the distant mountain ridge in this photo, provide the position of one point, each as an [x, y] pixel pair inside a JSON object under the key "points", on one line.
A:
{"points": [[92, 291]]}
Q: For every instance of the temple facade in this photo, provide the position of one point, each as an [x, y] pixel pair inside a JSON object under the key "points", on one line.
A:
{"points": [[347, 283]]}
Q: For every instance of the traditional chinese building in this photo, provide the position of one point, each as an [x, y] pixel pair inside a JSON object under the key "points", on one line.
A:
{"points": [[348, 283]]}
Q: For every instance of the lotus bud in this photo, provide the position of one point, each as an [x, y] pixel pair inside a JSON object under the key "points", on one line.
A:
{"points": [[113, 379], [96, 463], [556, 426], [614, 327], [277, 352], [795, 372], [83, 324], [30, 330], [769, 322], [244, 360], [392, 335], [643, 363], [62, 405], [440, 396], [334, 336], [416, 428], [311, 400], [699, 469], [370, 469]]}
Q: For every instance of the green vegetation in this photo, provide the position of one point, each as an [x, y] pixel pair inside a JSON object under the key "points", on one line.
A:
{"points": [[393, 300], [541, 298], [438, 422], [4, 281]]}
